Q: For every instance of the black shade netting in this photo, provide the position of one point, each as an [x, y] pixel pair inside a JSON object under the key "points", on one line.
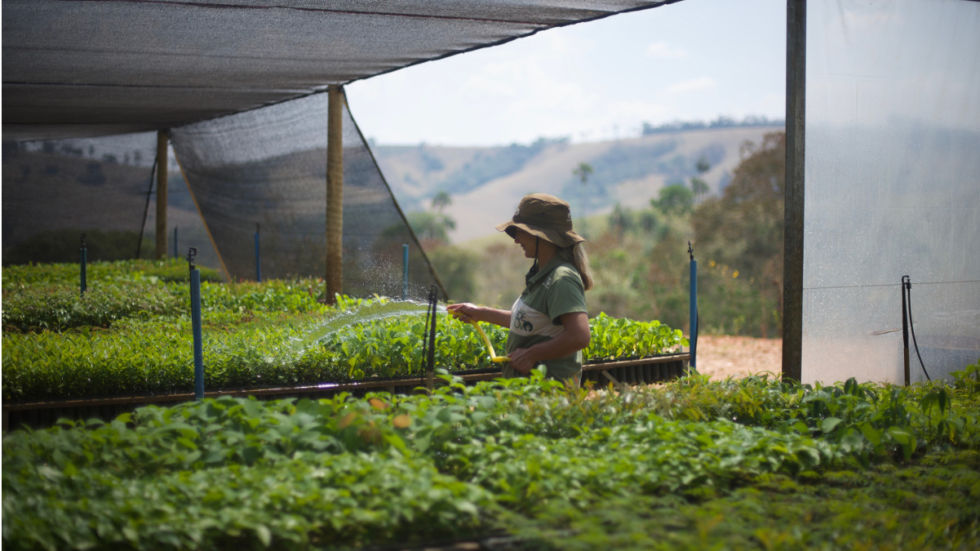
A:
{"points": [[127, 66], [264, 173], [56, 191]]}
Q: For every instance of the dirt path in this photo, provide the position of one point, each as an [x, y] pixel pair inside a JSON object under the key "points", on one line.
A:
{"points": [[720, 356]]}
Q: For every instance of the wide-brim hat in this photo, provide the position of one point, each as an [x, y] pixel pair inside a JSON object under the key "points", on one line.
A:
{"points": [[544, 216]]}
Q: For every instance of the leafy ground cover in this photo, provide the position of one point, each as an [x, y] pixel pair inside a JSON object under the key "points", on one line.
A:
{"points": [[130, 334], [694, 464]]}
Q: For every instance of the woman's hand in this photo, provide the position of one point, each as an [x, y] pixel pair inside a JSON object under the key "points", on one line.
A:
{"points": [[574, 337], [523, 360], [471, 313], [464, 311]]}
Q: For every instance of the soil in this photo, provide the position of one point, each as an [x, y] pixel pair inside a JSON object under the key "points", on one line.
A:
{"points": [[722, 356]]}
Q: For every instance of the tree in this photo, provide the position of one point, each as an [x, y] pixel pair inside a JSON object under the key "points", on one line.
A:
{"points": [[745, 223], [698, 185], [431, 228], [441, 200], [457, 270], [674, 199], [582, 172], [743, 228], [621, 220]]}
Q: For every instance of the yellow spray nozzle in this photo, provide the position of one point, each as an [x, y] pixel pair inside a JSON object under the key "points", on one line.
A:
{"points": [[493, 356]]}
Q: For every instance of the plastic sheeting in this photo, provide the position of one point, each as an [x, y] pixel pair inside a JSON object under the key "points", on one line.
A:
{"points": [[892, 188], [265, 170]]}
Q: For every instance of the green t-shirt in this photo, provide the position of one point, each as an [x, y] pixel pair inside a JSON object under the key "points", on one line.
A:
{"points": [[555, 290]]}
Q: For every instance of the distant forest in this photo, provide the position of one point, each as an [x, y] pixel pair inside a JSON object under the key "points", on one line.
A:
{"points": [[720, 122]]}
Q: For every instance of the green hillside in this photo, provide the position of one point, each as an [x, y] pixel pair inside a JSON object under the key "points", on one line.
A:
{"points": [[485, 184], [639, 249]]}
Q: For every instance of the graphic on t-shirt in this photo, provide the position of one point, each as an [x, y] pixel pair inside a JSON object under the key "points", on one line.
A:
{"points": [[520, 320], [527, 321]]}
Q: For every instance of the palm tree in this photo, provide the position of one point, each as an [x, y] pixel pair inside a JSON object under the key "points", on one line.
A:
{"points": [[582, 172], [441, 200]]}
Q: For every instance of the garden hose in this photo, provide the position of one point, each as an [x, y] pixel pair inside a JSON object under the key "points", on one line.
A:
{"points": [[493, 355]]}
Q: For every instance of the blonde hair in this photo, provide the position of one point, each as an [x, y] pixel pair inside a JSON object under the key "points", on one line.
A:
{"points": [[576, 255]]}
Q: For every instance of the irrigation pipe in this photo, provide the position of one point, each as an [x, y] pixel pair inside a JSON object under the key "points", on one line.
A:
{"points": [[486, 341], [908, 325]]}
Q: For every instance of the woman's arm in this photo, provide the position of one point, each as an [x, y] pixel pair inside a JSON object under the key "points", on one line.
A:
{"points": [[468, 312], [574, 337]]}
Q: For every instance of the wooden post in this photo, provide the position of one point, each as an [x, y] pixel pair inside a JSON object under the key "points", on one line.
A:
{"points": [[795, 159], [161, 227], [335, 192]]}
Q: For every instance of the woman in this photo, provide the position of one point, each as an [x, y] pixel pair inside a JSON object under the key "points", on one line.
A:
{"points": [[548, 323]]}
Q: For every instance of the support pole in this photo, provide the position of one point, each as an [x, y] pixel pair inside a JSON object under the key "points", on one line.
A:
{"points": [[82, 280], [258, 256], [161, 227], [693, 312], [795, 157], [195, 276], [335, 192], [146, 209], [404, 271], [906, 284], [429, 340]]}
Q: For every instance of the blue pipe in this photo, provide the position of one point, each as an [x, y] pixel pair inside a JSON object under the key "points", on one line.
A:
{"points": [[196, 325], [693, 314], [258, 256], [404, 271]]}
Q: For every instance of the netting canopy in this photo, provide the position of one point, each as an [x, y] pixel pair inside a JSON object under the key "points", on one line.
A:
{"points": [[123, 66], [255, 207], [54, 192], [892, 188], [240, 85], [264, 171]]}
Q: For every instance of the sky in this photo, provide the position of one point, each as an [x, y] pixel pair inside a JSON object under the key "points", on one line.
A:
{"points": [[693, 60]]}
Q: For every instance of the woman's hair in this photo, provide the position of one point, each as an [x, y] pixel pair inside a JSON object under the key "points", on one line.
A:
{"points": [[576, 255]]}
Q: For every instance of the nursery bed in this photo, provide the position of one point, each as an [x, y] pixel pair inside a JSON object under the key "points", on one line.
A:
{"points": [[41, 414]]}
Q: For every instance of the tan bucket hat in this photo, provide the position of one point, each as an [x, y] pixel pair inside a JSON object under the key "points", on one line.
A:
{"points": [[544, 216]]}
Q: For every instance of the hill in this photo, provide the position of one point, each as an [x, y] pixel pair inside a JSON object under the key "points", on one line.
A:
{"points": [[485, 184]]}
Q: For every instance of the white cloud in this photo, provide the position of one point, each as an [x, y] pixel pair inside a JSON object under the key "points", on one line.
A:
{"points": [[693, 85], [588, 81], [662, 50]]}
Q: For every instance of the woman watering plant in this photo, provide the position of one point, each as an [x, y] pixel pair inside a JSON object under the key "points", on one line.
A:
{"points": [[549, 323]]}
